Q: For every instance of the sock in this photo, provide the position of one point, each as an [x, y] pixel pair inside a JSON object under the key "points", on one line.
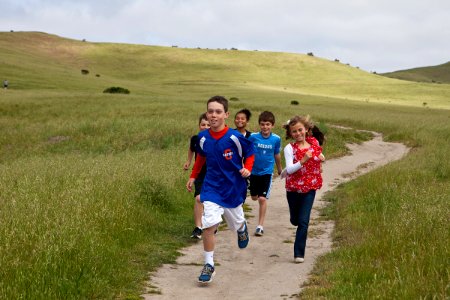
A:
{"points": [[242, 229], [260, 226], [209, 257]]}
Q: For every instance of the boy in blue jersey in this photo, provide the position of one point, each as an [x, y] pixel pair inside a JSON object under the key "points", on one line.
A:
{"points": [[224, 187], [268, 146]]}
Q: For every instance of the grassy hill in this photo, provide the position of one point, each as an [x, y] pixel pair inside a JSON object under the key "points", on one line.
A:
{"points": [[434, 74], [92, 192], [43, 61]]}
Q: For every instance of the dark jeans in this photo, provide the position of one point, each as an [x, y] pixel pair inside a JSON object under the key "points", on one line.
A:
{"points": [[300, 205]]}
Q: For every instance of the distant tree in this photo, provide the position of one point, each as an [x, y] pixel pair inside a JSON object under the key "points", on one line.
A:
{"points": [[294, 102], [84, 71], [116, 90], [310, 54]]}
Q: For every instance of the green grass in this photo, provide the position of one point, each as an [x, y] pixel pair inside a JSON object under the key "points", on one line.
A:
{"points": [[92, 190], [434, 74]]}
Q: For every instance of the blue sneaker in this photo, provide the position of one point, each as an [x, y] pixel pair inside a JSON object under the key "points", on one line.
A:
{"points": [[243, 237], [207, 274]]}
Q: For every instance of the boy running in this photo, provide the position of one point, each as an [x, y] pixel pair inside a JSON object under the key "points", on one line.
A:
{"points": [[268, 146], [198, 207], [224, 187]]}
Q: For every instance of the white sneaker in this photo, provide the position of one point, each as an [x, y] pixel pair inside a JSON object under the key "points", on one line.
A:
{"points": [[299, 260]]}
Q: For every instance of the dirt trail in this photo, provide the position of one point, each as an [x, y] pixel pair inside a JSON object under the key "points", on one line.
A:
{"points": [[265, 269]]}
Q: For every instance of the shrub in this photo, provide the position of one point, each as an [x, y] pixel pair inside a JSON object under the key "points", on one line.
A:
{"points": [[234, 99], [84, 71], [294, 102], [97, 75], [310, 54], [116, 90]]}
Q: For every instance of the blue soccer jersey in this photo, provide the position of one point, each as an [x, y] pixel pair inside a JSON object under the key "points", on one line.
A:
{"points": [[266, 148], [223, 183]]}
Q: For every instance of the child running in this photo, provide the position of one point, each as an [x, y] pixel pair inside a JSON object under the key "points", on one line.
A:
{"points": [[198, 207], [224, 188], [268, 146], [303, 179], [241, 120]]}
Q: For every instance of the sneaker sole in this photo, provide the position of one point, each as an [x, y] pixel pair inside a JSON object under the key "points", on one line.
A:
{"points": [[196, 237], [207, 282], [259, 234]]}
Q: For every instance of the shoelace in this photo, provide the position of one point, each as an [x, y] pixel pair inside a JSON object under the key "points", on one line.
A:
{"points": [[242, 235], [207, 270]]}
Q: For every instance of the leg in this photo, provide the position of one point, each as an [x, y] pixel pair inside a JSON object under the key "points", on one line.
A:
{"points": [[293, 199], [304, 213], [236, 220], [198, 212], [212, 216], [262, 210]]}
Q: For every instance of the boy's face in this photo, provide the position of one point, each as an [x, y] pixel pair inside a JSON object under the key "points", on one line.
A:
{"points": [[266, 127], [216, 116], [204, 124], [240, 121]]}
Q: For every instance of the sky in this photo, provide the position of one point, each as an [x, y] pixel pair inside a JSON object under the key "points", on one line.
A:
{"points": [[374, 35]]}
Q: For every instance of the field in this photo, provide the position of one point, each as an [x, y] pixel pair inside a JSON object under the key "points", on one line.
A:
{"points": [[92, 188]]}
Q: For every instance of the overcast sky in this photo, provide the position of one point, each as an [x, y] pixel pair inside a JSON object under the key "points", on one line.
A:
{"points": [[375, 35]]}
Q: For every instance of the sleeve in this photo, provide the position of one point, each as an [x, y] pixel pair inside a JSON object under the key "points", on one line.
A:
{"points": [[193, 143], [199, 162], [249, 161], [248, 148], [291, 167], [277, 146]]}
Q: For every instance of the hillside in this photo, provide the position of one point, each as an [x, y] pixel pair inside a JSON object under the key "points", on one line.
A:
{"points": [[32, 60], [434, 74]]}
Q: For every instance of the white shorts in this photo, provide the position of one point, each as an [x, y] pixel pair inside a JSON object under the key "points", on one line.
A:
{"points": [[212, 215]]}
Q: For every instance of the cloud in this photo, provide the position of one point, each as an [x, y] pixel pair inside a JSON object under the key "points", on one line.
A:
{"points": [[374, 35]]}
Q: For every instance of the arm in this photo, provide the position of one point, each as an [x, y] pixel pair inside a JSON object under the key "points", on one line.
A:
{"points": [[291, 167], [189, 159], [278, 163], [248, 166], [199, 162]]}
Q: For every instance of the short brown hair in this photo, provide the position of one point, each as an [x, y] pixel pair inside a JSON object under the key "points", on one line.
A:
{"points": [[202, 117], [219, 99], [266, 116]]}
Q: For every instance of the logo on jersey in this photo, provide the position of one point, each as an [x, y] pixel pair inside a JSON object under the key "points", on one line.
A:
{"points": [[228, 154]]}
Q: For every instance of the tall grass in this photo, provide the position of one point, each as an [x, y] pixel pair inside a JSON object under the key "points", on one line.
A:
{"points": [[392, 234], [91, 186], [77, 227]]}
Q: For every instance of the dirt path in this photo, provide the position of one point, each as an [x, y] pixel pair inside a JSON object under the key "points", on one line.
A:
{"points": [[265, 269]]}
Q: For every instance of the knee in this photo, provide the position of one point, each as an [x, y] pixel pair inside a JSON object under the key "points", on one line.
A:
{"points": [[254, 198], [294, 222]]}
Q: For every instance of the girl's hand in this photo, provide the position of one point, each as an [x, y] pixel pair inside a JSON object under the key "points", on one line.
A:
{"points": [[306, 157], [186, 165]]}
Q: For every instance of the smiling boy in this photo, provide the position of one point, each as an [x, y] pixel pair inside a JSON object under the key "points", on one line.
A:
{"points": [[224, 187], [268, 147]]}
